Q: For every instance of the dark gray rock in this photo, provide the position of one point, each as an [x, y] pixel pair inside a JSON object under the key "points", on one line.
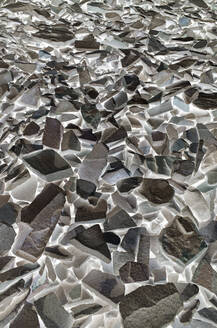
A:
{"points": [[70, 142], [7, 236], [105, 284], [209, 313], [85, 188], [118, 219], [52, 313], [137, 242], [84, 310], [8, 213], [48, 165]]}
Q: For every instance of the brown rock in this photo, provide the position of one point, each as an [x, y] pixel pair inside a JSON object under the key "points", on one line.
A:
{"points": [[27, 318], [157, 191], [134, 272], [52, 133]]}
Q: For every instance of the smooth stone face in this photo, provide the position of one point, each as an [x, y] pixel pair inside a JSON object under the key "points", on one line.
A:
{"points": [[111, 238], [48, 165], [52, 313], [93, 242], [31, 97], [118, 219], [8, 213], [181, 240], [52, 133], [85, 188], [134, 272], [91, 114], [106, 284], [7, 236], [27, 318], [157, 191], [4, 260], [209, 313], [70, 142], [94, 163]]}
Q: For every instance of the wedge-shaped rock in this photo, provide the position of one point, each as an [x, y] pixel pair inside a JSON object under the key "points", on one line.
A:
{"points": [[48, 165], [205, 276], [42, 215], [157, 191], [182, 240], [91, 241], [52, 313], [27, 318], [18, 272], [118, 219], [70, 142], [52, 133], [155, 306], [134, 272], [94, 163], [105, 284]]}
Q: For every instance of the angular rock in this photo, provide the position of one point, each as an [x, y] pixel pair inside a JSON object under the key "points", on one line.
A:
{"points": [[105, 284], [155, 305], [118, 219], [94, 163], [128, 184], [4, 260], [209, 313], [48, 165], [42, 215], [91, 114], [92, 241], [31, 97], [111, 238], [7, 236], [85, 188], [52, 313], [182, 240], [88, 213], [31, 129], [137, 242], [70, 142], [27, 318], [52, 133], [134, 272], [18, 272], [8, 213], [205, 276], [157, 191]]}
